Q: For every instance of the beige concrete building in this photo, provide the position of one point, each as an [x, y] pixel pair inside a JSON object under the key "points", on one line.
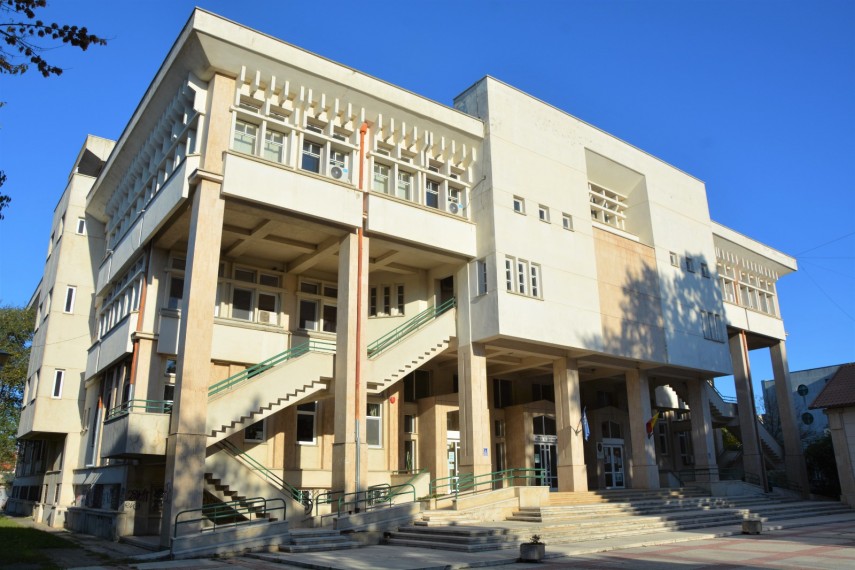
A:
{"points": [[306, 280]]}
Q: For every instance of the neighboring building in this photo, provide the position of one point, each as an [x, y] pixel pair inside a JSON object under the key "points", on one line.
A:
{"points": [[805, 386], [425, 287], [837, 399]]}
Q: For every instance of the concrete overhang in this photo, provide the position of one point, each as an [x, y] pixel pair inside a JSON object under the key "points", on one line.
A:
{"points": [[209, 44], [753, 250]]}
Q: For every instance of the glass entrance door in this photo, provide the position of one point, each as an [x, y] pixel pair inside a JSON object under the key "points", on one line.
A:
{"points": [[546, 459], [613, 466], [453, 449]]}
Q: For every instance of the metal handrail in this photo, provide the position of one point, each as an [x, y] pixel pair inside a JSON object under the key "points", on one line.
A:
{"points": [[468, 483], [725, 399], [398, 333], [234, 510], [256, 369], [270, 476], [373, 497], [150, 406]]}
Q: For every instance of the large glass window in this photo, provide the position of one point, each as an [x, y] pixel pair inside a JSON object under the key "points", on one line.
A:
{"points": [[242, 304], [306, 423], [274, 146], [405, 183], [381, 178], [245, 136], [374, 425], [311, 157], [318, 310], [432, 194]]}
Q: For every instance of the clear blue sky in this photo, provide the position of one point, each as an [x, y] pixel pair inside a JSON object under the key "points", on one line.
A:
{"points": [[755, 98]]}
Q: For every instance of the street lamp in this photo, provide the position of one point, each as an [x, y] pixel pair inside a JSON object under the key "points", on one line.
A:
{"points": [[4, 358]]}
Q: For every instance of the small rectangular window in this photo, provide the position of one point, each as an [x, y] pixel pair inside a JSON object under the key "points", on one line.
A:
{"points": [[543, 213], [481, 268], [69, 299], [176, 292], [58, 378], [690, 265], [519, 205], [432, 194], [171, 366], [311, 157], [308, 314], [269, 280], [245, 275], [409, 423], [242, 304], [405, 181], [306, 422], [522, 277], [535, 280], [372, 302], [255, 432], [400, 294], [705, 270], [567, 222], [373, 425], [274, 146], [675, 259], [509, 273], [381, 178], [81, 226], [245, 135]]}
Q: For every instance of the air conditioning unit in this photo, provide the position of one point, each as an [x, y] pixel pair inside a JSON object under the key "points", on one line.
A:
{"points": [[266, 317], [454, 207], [338, 172]]}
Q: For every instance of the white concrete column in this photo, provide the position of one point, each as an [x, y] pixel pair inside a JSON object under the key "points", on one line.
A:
{"points": [[702, 431], [187, 441], [752, 460], [572, 474], [794, 460], [350, 450], [841, 421], [644, 473]]}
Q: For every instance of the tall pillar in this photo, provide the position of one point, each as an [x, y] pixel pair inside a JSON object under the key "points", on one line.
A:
{"points": [[572, 474], [472, 384], [350, 450], [644, 471], [794, 460], [187, 441], [702, 431], [844, 452], [752, 460]]}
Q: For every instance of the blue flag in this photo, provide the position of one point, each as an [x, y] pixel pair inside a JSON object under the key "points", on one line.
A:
{"points": [[586, 429]]}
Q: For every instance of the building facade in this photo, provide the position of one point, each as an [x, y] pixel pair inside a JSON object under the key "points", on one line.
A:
{"points": [[306, 273]]}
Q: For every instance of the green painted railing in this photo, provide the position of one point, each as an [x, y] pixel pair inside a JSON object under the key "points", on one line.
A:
{"points": [[408, 327], [230, 514], [148, 406], [468, 483], [255, 370], [373, 497], [268, 475]]}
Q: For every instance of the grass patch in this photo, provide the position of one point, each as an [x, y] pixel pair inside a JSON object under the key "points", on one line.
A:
{"points": [[23, 545]]}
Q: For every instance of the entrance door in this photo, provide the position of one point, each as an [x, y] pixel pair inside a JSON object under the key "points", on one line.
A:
{"points": [[453, 452], [446, 289], [546, 459], [613, 466]]}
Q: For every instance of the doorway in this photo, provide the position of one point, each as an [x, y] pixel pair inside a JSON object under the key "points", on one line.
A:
{"points": [[446, 290], [546, 459], [613, 461]]}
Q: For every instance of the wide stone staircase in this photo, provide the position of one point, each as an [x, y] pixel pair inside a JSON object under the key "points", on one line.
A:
{"points": [[601, 515], [317, 540]]}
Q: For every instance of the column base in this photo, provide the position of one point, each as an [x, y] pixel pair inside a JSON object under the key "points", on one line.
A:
{"points": [[645, 477], [573, 478]]}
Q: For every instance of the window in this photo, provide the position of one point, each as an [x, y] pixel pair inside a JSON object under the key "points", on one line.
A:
{"points": [[535, 279], [455, 205], [662, 435], [543, 213], [686, 454], [338, 158], [611, 430], [245, 135], [81, 226], [509, 269], [607, 206], [499, 428], [69, 299], [58, 378], [373, 425], [242, 304], [381, 178], [176, 292], [409, 423], [705, 270], [523, 277], [711, 324], [317, 309], [417, 385], [481, 270], [542, 392], [274, 146], [502, 393], [675, 259], [567, 222], [255, 432], [519, 205], [405, 182], [386, 301], [690, 264], [306, 414], [432, 194], [311, 157]]}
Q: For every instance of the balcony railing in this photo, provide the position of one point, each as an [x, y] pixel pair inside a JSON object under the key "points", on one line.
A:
{"points": [[397, 334], [147, 406]]}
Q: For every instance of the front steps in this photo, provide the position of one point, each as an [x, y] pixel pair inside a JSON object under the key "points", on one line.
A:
{"points": [[317, 540], [462, 538]]}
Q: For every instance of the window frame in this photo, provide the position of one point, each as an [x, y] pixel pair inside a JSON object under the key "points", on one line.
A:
{"points": [[70, 297], [58, 383], [519, 205], [302, 410], [263, 430], [239, 134], [81, 227], [567, 222], [378, 419], [543, 213]]}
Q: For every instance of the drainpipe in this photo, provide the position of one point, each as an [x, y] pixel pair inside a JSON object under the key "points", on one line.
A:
{"points": [[360, 236]]}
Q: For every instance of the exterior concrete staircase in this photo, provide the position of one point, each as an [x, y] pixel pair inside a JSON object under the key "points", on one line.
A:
{"points": [[317, 540], [418, 343], [268, 387], [457, 538]]}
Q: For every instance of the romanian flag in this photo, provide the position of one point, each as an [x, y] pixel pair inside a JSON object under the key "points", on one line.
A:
{"points": [[651, 424]]}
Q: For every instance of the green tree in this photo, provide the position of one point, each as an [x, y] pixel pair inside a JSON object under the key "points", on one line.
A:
{"points": [[25, 38], [16, 337]]}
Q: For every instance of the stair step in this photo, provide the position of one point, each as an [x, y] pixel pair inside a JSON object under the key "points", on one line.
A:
{"points": [[449, 546]]}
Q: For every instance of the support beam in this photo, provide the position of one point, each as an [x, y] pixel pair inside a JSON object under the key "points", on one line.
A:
{"points": [[305, 262], [644, 473], [572, 474], [703, 443], [752, 459], [794, 460]]}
